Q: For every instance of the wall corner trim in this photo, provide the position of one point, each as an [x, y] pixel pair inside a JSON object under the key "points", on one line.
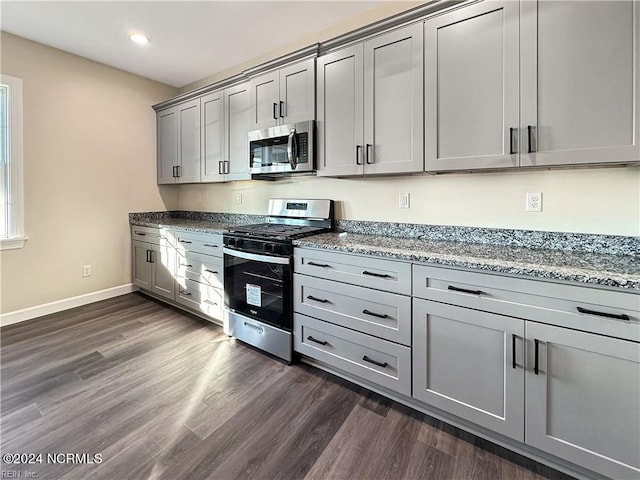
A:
{"points": [[17, 316]]}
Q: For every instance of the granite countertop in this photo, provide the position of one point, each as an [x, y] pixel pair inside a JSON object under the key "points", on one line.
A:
{"points": [[200, 226], [598, 269]]}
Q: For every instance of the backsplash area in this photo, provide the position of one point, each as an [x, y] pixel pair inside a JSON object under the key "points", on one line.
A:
{"points": [[594, 201]]}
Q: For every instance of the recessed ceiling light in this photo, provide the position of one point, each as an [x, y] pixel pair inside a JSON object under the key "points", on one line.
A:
{"points": [[139, 38]]}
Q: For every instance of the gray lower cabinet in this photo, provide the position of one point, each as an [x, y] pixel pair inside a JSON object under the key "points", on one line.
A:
{"points": [[583, 399], [353, 313], [372, 359], [184, 268], [471, 364], [141, 266], [153, 262], [381, 314]]}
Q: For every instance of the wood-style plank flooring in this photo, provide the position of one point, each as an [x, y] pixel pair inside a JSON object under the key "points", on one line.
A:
{"points": [[161, 394]]}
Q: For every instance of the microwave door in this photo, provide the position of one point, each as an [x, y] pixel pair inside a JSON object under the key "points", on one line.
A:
{"points": [[292, 149]]}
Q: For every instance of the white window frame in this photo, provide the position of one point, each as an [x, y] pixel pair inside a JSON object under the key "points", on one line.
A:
{"points": [[16, 237]]}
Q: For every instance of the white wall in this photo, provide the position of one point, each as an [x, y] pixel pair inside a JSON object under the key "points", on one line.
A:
{"points": [[89, 160], [594, 200]]}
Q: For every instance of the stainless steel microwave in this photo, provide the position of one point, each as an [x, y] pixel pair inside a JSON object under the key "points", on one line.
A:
{"points": [[282, 149]]}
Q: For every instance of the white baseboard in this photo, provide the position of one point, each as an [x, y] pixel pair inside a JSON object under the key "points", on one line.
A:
{"points": [[65, 304]]}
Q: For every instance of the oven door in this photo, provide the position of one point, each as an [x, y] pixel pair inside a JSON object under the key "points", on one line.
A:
{"points": [[259, 286]]}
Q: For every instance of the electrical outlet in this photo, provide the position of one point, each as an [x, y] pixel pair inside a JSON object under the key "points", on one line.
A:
{"points": [[86, 270], [239, 198], [199, 198], [403, 200], [533, 202]]}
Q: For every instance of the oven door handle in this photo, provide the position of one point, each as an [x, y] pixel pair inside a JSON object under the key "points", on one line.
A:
{"points": [[257, 258]]}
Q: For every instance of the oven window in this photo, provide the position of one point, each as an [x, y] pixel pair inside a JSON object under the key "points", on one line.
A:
{"points": [[259, 290]]}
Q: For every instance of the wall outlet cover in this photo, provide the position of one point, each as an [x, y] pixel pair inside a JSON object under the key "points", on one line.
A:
{"points": [[533, 202], [404, 200]]}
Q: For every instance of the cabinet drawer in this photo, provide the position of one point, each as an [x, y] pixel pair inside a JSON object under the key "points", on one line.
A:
{"points": [[382, 314], [571, 306], [372, 272], [200, 297], [372, 359], [155, 236], [207, 243], [206, 269]]}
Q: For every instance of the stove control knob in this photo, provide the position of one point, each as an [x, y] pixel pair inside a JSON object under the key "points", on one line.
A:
{"points": [[231, 241], [269, 247], [239, 242]]}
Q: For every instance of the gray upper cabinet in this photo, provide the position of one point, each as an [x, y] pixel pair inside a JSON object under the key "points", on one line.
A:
{"points": [[583, 399], [167, 137], [393, 87], [471, 87], [340, 122], [286, 95], [225, 124], [213, 146], [178, 134], [369, 101], [237, 110], [580, 82]]}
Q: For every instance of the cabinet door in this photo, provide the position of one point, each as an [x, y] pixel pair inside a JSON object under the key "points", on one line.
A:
{"points": [[471, 87], [580, 82], [340, 113], [583, 405], [265, 90], [297, 92], [212, 122], [141, 264], [471, 364], [237, 111], [162, 277], [393, 105], [167, 144], [189, 142]]}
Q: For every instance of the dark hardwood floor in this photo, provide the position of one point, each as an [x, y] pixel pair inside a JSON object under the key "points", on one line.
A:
{"points": [[160, 394]]}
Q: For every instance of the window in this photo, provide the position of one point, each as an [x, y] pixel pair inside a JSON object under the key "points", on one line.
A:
{"points": [[11, 202]]}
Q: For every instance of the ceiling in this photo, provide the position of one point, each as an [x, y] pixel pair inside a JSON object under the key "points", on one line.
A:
{"points": [[189, 40]]}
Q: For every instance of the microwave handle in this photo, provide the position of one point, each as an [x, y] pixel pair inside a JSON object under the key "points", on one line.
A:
{"points": [[292, 149]]}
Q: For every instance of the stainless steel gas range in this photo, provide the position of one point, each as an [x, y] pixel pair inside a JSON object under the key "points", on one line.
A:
{"points": [[258, 273]]}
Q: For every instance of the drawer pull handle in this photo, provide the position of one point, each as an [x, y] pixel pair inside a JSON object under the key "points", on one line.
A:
{"points": [[185, 265], [321, 342], [185, 241], [536, 363], [210, 302], [622, 316], [323, 265], [187, 294], [465, 290], [374, 314], [150, 260], [367, 359], [513, 350], [379, 275], [315, 299], [255, 327], [210, 271], [140, 233], [209, 245]]}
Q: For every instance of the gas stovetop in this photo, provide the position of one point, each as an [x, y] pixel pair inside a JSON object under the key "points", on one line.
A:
{"points": [[288, 219], [277, 231]]}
